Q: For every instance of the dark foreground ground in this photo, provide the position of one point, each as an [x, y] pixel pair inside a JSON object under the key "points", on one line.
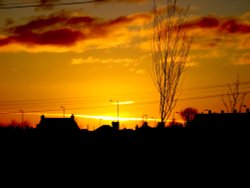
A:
{"points": [[164, 139], [143, 158]]}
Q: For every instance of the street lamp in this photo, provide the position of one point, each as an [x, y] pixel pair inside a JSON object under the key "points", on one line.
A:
{"points": [[174, 115], [63, 111], [144, 117], [117, 108], [22, 116]]}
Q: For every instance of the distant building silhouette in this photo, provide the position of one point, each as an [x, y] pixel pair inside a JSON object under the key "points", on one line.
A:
{"points": [[104, 128], [108, 128], [58, 124], [116, 125], [219, 120]]}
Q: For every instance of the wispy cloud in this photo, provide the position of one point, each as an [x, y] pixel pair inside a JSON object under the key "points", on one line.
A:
{"points": [[140, 71], [244, 59], [91, 60], [122, 102]]}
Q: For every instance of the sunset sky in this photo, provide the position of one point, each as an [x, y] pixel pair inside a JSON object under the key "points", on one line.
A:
{"points": [[78, 57]]}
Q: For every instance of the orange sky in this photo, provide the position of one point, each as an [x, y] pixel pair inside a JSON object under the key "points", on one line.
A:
{"points": [[82, 56]]}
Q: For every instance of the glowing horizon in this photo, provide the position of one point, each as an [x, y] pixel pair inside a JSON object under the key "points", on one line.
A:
{"points": [[82, 56]]}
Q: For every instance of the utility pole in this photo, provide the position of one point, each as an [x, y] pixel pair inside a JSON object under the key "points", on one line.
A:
{"points": [[117, 110], [63, 111], [22, 116]]}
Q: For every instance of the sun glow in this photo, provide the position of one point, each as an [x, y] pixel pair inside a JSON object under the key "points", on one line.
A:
{"points": [[122, 102]]}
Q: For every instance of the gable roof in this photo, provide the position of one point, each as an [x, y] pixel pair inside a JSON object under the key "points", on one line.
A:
{"points": [[58, 123]]}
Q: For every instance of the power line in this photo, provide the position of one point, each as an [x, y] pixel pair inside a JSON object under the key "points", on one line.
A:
{"points": [[209, 96], [91, 101], [108, 106], [20, 6], [138, 95]]}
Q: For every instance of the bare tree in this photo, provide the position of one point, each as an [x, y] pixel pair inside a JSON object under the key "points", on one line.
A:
{"points": [[170, 49], [234, 99]]}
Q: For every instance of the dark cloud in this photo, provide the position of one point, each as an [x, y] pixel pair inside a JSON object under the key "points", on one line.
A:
{"points": [[206, 22], [234, 26], [86, 20], [230, 26], [64, 30], [38, 23], [54, 37]]}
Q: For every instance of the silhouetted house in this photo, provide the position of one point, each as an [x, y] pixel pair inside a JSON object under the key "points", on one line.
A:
{"points": [[144, 128], [108, 128], [116, 125], [58, 124], [221, 120], [104, 129]]}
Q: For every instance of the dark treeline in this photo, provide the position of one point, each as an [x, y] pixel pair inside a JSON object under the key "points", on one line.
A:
{"points": [[207, 134], [109, 136]]}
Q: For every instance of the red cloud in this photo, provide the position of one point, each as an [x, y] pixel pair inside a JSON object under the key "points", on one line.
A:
{"points": [[86, 20], [37, 24], [223, 25], [233, 26], [208, 22], [128, 19], [54, 37], [64, 30]]}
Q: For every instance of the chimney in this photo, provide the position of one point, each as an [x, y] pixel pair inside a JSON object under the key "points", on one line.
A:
{"points": [[247, 110], [115, 125]]}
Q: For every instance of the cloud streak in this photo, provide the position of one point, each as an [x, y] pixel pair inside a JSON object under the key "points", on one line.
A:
{"points": [[65, 30], [91, 60], [226, 25]]}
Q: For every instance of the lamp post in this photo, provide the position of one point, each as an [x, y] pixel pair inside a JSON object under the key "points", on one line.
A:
{"points": [[174, 115], [117, 111], [63, 111], [144, 117], [22, 116]]}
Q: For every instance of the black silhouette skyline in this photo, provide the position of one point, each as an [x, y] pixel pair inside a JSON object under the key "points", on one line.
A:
{"points": [[79, 58]]}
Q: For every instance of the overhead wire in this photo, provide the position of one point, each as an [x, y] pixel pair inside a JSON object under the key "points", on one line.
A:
{"points": [[37, 5], [91, 102]]}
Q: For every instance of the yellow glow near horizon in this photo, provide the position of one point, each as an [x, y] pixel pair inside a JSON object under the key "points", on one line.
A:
{"points": [[122, 102], [113, 118], [111, 60]]}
